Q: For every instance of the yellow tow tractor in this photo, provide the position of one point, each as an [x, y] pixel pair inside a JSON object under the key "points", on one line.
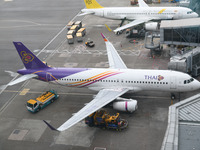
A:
{"points": [[34, 105], [103, 120]]}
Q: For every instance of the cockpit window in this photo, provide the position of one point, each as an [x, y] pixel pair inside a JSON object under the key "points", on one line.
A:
{"points": [[189, 12], [188, 81]]}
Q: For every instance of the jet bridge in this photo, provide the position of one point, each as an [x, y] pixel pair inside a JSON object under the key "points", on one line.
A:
{"points": [[152, 42], [188, 62], [180, 32]]}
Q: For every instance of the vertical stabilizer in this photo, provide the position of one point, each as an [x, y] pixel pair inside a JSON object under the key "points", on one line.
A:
{"points": [[92, 4], [28, 58]]}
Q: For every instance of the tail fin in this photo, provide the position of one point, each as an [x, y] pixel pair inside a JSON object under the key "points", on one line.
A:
{"points": [[28, 58], [91, 4]]}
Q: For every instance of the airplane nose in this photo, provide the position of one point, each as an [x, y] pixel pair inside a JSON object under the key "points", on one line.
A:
{"points": [[197, 84], [196, 15]]}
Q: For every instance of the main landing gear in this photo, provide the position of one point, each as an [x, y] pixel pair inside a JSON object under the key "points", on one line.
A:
{"points": [[120, 32]]}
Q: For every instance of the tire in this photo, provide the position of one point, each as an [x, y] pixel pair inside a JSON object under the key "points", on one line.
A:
{"points": [[38, 109]]}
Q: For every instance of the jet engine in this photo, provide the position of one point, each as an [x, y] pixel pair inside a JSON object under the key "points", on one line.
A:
{"points": [[123, 104], [152, 26]]}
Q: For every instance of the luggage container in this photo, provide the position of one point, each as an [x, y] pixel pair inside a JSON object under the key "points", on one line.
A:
{"points": [[70, 39], [79, 24], [74, 27], [82, 31], [71, 32], [69, 25], [79, 37]]}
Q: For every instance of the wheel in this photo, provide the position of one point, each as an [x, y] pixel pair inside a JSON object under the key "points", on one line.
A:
{"points": [[52, 100], [173, 96], [38, 109]]}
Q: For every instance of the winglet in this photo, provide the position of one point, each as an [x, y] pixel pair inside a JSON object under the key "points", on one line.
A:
{"points": [[104, 37], [51, 127]]}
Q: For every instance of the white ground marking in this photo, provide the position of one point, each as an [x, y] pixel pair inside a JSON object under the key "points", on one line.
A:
{"points": [[2, 88]]}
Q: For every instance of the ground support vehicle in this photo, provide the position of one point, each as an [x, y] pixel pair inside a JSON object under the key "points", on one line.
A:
{"points": [[35, 105], [90, 44], [103, 120]]}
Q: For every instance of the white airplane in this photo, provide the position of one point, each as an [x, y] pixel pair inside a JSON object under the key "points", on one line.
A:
{"points": [[137, 15], [111, 82]]}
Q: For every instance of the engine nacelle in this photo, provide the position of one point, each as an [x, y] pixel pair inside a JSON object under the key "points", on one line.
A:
{"points": [[152, 26], [128, 105]]}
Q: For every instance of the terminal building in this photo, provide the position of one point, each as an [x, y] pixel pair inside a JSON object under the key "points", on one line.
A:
{"points": [[183, 131]]}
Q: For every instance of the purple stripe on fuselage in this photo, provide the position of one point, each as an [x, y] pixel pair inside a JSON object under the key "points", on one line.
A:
{"points": [[126, 105], [101, 79], [52, 74]]}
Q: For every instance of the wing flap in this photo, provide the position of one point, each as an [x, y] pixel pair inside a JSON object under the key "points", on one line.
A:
{"points": [[104, 97]]}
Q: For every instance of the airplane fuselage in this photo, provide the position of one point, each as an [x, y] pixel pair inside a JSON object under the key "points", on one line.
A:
{"points": [[134, 79], [132, 13]]}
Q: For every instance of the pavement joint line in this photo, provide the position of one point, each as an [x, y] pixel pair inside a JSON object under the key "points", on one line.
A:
{"points": [[26, 82], [35, 92]]}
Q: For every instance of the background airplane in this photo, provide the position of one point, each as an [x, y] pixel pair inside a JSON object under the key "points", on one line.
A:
{"points": [[111, 82], [137, 15]]}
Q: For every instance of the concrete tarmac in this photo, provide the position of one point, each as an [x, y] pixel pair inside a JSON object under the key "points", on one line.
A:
{"points": [[40, 26]]}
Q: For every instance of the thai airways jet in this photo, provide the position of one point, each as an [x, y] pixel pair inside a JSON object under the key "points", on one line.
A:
{"points": [[137, 15], [111, 82]]}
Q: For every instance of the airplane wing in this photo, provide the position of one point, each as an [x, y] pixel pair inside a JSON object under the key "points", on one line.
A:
{"points": [[22, 78], [133, 23], [114, 59], [142, 3], [104, 97]]}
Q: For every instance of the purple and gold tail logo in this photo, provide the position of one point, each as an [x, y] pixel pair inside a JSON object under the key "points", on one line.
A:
{"points": [[160, 77], [26, 57]]}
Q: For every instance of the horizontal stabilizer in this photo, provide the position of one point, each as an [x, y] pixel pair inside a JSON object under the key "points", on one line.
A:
{"points": [[50, 126], [86, 13], [22, 78]]}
